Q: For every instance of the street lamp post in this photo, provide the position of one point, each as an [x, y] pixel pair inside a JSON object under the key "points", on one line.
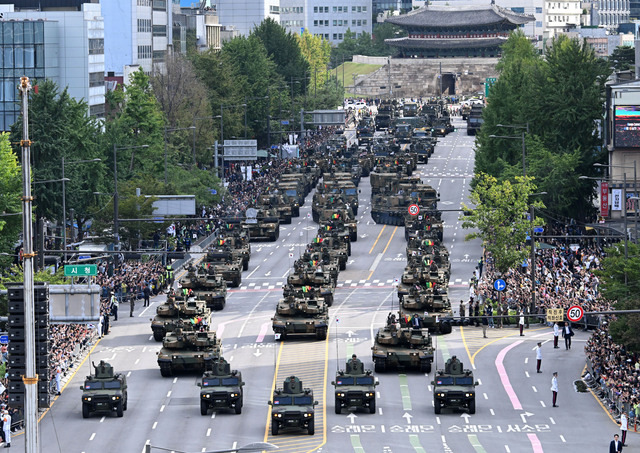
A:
{"points": [[64, 200], [172, 129], [533, 253], [521, 137]]}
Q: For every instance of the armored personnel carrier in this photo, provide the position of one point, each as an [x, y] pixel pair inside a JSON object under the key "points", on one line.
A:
{"points": [[355, 387], [292, 406], [402, 347], [221, 388], [454, 388], [104, 391], [262, 224], [171, 311], [296, 315], [222, 263], [207, 284], [184, 350]]}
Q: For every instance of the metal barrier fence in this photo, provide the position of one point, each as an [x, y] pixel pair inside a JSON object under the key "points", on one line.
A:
{"points": [[609, 398]]}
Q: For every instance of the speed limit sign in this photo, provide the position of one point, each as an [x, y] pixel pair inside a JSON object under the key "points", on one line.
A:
{"points": [[575, 313], [414, 209]]}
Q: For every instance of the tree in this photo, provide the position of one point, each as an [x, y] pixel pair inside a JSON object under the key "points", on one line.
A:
{"points": [[61, 127], [284, 50], [184, 101], [500, 218], [619, 277], [10, 204], [317, 52], [622, 58]]}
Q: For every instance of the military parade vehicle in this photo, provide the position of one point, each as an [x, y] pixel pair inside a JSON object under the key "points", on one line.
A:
{"points": [[427, 309], [426, 225], [188, 350], [262, 224], [171, 311], [104, 392], [355, 387], [454, 388], [334, 247], [402, 348], [474, 120], [390, 205], [222, 263], [305, 181], [314, 280], [292, 406], [296, 315], [238, 244], [423, 144], [403, 132], [340, 235], [340, 218], [207, 283], [365, 130], [311, 260], [279, 201], [295, 192], [221, 388]]}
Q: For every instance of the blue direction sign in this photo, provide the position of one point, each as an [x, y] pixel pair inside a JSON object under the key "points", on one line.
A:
{"points": [[499, 285], [538, 230], [4, 339]]}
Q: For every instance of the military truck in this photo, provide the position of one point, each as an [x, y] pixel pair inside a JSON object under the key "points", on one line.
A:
{"points": [[184, 350], [221, 388], [171, 311], [296, 315], [222, 262], [355, 387], [104, 391], [454, 388], [292, 406], [207, 283], [262, 224], [402, 348]]}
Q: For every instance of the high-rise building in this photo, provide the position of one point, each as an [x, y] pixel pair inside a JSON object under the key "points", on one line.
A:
{"points": [[611, 13], [245, 15], [66, 46]]}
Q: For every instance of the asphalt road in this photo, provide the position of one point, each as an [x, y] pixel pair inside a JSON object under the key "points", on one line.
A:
{"points": [[514, 412]]}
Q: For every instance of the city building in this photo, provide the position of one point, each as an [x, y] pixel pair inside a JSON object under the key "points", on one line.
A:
{"points": [[464, 31], [245, 15], [329, 19], [137, 33], [203, 23], [611, 13], [65, 45], [380, 6], [561, 17]]}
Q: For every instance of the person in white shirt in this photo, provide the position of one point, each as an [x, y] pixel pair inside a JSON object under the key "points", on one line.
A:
{"points": [[6, 427], [538, 358], [556, 334], [554, 387]]}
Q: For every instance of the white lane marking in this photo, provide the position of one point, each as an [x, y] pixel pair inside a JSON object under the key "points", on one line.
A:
{"points": [[542, 404], [492, 412], [562, 438], [169, 394], [162, 408], [553, 422], [535, 390], [209, 432], [102, 419], [155, 424], [137, 361], [92, 436], [253, 271]]}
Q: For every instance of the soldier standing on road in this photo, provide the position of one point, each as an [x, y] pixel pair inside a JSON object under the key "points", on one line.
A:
{"points": [[521, 323], [114, 307], [147, 293], [554, 387], [623, 428], [132, 304], [556, 333], [6, 428], [461, 311], [538, 358]]}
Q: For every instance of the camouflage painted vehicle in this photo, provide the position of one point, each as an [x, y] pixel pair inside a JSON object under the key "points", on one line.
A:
{"points": [[331, 192], [207, 284], [312, 259], [306, 182], [262, 224], [292, 406], [222, 263], [339, 233], [171, 311], [434, 257], [423, 144], [426, 309], [389, 207], [454, 388], [221, 388], [279, 201], [184, 350], [301, 316], [104, 392], [295, 192], [426, 225], [355, 387], [339, 217], [238, 244], [402, 348], [313, 280], [335, 248]]}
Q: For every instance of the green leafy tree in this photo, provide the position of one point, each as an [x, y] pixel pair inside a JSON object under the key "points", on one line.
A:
{"points": [[623, 58], [619, 277], [10, 204], [317, 52], [500, 218], [61, 127]]}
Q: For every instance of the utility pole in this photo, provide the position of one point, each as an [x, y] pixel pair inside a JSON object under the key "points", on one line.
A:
{"points": [[30, 380]]}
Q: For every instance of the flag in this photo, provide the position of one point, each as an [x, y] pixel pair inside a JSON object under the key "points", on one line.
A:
{"points": [[429, 285]]}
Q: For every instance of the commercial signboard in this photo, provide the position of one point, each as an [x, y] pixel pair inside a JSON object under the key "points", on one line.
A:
{"points": [[604, 199], [616, 199], [627, 126]]}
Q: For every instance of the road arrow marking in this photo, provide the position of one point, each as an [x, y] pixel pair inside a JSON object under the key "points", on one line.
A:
{"points": [[364, 235], [267, 274], [350, 333], [352, 417], [466, 418], [523, 416], [407, 416], [257, 353], [466, 256]]}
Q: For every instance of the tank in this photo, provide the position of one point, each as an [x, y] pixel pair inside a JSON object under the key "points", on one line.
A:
{"points": [[206, 284], [184, 350], [172, 310], [402, 348], [454, 388], [296, 315], [237, 244], [222, 262], [355, 388], [104, 392], [333, 247], [390, 206], [424, 308], [221, 388], [262, 224], [426, 225], [279, 201], [292, 406]]}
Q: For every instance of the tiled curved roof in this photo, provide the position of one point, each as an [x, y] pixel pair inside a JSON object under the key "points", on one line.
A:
{"points": [[445, 16], [421, 43]]}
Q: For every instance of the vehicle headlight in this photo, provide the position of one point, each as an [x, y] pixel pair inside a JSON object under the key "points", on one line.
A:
{"points": [[88, 398], [369, 394], [115, 398], [308, 414], [341, 394], [277, 415], [233, 395], [468, 395], [441, 395]]}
